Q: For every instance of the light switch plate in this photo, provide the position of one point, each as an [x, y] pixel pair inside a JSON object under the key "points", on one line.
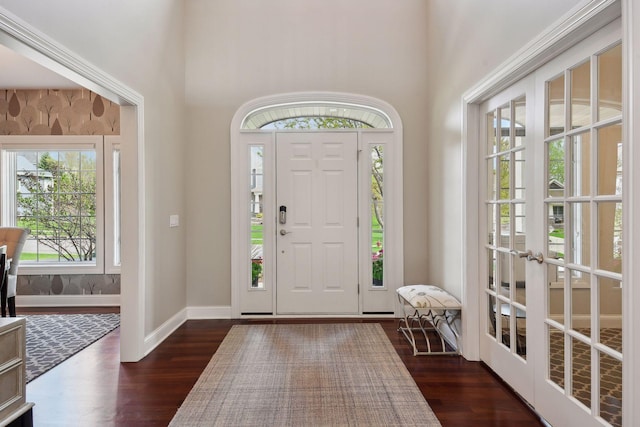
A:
{"points": [[174, 220]]}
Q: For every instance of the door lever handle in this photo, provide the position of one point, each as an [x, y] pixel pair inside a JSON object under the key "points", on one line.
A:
{"points": [[521, 254], [284, 232], [529, 255]]}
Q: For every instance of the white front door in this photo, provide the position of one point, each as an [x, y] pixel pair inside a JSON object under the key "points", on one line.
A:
{"points": [[552, 205], [317, 238]]}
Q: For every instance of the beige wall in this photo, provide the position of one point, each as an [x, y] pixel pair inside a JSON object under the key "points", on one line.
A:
{"points": [[467, 40], [418, 55], [238, 51], [139, 43]]}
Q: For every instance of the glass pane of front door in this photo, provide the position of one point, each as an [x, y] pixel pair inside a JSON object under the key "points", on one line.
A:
{"points": [[256, 179]]}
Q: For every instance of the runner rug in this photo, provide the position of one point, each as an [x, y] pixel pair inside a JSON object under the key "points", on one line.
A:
{"points": [[53, 338], [305, 375]]}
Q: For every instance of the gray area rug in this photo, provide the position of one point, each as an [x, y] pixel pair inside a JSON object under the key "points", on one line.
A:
{"points": [[305, 375], [53, 338]]}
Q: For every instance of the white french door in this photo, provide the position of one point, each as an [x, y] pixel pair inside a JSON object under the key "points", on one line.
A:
{"points": [[317, 234], [552, 297], [507, 209]]}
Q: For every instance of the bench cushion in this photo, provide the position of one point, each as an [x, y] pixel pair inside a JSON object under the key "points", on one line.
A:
{"points": [[429, 296]]}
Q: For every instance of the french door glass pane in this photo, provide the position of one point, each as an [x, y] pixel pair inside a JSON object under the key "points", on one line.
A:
{"points": [[505, 221], [519, 175], [520, 223], [610, 294], [556, 239], [556, 294], [505, 321], [580, 302], [492, 225], [610, 160], [581, 371], [610, 83], [491, 178], [610, 236], [555, 106], [581, 95], [492, 141], [610, 389], [580, 164], [521, 336], [580, 238], [520, 280], [520, 121], [503, 263], [556, 356], [505, 127], [555, 168], [492, 326], [492, 268], [505, 177]]}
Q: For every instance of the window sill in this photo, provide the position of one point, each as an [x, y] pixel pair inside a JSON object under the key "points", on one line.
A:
{"points": [[50, 269]]}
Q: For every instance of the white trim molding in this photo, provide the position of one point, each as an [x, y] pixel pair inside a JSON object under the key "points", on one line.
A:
{"points": [[165, 330], [210, 312], [630, 205]]}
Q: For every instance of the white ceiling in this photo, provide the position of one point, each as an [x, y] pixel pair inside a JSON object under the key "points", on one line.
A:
{"points": [[19, 72]]}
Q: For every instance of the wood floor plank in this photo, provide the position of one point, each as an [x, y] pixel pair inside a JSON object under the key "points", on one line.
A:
{"points": [[94, 389]]}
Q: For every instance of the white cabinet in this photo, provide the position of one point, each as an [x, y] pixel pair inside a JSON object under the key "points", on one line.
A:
{"points": [[12, 370]]}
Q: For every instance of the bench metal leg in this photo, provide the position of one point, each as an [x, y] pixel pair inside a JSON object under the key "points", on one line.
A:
{"points": [[415, 323]]}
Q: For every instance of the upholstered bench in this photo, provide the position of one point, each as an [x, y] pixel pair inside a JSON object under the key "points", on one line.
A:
{"points": [[429, 308]]}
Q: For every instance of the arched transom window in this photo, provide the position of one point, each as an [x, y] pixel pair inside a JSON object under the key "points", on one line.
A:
{"points": [[314, 114]]}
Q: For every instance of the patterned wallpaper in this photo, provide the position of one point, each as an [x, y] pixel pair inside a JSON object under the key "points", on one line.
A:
{"points": [[60, 112], [57, 112], [69, 284]]}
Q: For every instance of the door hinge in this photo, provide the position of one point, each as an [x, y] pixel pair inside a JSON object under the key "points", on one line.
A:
{"points": [[358, 288], [357, 221]]}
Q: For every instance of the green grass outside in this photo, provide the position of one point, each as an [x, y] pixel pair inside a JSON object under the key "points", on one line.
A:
{"points": [[32, 256], [557, 233]]}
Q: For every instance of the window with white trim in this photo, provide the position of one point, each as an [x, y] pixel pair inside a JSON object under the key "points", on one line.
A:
{"points": [[55, 187]]}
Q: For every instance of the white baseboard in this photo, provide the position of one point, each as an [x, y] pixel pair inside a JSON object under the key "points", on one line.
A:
{"points": [[155, 338], [210, 312], [67, 300]]}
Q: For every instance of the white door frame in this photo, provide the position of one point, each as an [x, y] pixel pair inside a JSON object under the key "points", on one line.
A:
{"points": [[29, 42], [394, 275], [572, 28]]}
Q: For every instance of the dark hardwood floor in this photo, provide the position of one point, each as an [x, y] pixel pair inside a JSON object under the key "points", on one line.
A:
{"points": [[94, 389]]}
